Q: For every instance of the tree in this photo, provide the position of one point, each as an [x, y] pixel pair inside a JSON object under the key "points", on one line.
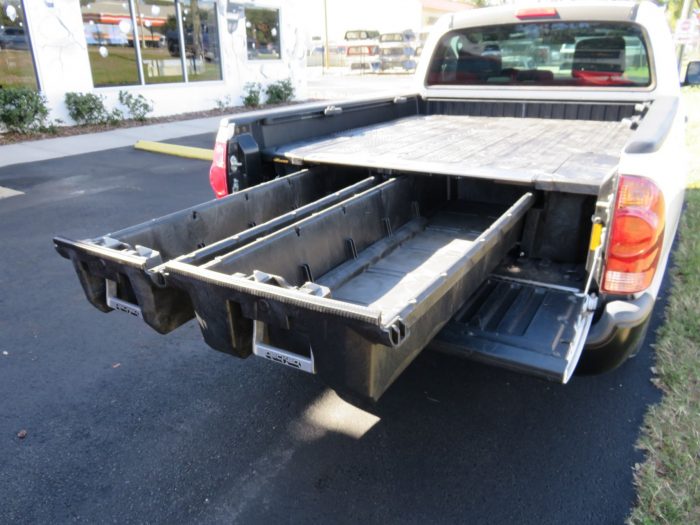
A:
{"points": [[674, 8], [673, 11], [197, 41]]}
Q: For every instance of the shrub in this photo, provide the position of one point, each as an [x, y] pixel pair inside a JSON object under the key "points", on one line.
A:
{"points": [[280, 91], [223, 104], [252, 92], [139, 107], [23, 110], [86, 108]]}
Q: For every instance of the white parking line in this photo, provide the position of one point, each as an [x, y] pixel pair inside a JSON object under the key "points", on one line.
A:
{"points": [[7, 192]]}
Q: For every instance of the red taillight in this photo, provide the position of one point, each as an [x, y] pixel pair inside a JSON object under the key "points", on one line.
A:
{"points": [[636, 236], [537, 12], [217, 172]]}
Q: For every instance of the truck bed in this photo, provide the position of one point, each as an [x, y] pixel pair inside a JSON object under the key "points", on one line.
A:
{"points": [[352, 264], [575, 156]]}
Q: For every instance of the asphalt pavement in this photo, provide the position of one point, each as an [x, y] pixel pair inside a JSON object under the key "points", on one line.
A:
{"points": [[127, 426]]}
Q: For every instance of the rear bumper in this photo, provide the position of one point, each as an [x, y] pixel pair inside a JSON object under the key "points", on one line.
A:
{"points": [[619, 315], [617, 334]]}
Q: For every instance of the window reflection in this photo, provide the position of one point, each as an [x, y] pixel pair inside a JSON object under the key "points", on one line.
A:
{"points": [[158, 37], [262, 31], [16, 64], [202, 53], [110, 38]]}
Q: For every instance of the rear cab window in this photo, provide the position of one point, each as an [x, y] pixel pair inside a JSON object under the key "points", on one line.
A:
{"points": [[576, 54]]}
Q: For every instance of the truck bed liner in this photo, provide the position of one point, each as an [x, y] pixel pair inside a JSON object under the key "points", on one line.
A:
{"points": [[524, 326], [409, 270], [559, 155]]}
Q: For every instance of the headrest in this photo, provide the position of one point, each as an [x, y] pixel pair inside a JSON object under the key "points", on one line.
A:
{"points": [[482, 67], [605, 55]]}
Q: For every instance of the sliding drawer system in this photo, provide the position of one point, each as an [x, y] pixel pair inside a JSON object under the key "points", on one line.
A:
{"points": [[121, 270], [355, 291]]}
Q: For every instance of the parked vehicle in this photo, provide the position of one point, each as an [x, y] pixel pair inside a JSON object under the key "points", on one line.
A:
{"points": [[361, 35], [521, 62], [13, 38], [692, 74], [566, 55], [206, 46], [397, 51], [362, 57], [362, 50], [422, 38], [520, 217]]}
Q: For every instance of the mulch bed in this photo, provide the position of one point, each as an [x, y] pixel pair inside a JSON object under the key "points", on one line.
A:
{"points": [[68, 131]]}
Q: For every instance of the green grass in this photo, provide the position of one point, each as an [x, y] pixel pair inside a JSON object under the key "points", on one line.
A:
{"points": [[692, 100], [668, 482], [119, 67], [16, 68]]}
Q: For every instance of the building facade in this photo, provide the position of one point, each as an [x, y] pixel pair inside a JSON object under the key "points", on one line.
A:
{"points": [[385, 16], [183, 55]]}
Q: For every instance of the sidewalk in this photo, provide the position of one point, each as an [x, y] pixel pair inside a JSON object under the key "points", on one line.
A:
{"points": [[38, 150], [337, 85]]}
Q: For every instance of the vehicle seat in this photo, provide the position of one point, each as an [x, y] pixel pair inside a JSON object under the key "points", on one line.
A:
{"points": [[599, 60], [538, 76], [470, 65]]}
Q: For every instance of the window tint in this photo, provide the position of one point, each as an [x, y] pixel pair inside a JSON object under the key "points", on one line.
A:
{"points": [[543, 54]]}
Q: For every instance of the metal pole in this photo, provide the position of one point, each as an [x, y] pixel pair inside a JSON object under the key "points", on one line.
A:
{"points": [[137, 43], [685, 12], [326, 61], [181, 38]]}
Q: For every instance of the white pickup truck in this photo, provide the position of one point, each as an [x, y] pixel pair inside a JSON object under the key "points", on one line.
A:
{"points": [[518, 208]]}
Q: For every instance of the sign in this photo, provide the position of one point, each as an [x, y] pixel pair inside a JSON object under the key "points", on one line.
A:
{"points": [[686, 31]]}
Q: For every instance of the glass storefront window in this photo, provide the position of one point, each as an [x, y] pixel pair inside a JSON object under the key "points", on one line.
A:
{"points": [[202, 54], [159, 39], [263, 33], [16, 63], [110, 38]]}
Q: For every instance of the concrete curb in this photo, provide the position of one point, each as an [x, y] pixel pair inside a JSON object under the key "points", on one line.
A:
{"points": [[175, 149], [47, 149]]}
